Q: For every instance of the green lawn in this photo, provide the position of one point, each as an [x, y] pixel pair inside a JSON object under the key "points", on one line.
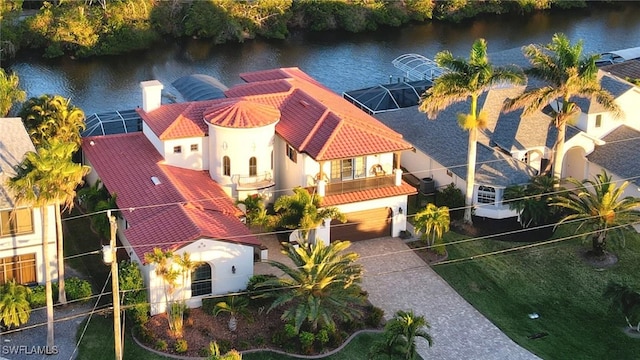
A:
{"points": [[553, 281]]}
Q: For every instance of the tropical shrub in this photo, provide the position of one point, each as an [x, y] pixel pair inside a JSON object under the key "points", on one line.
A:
{"points": [[400, 333], [452, 198], [14, 304], [626, 301], [78, 289], [234, 305], [134, 295], [161, 345], [181, 346], [306, 341], [374, 316]]}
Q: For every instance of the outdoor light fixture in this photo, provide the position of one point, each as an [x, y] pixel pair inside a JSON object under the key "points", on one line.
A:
{"points": [[233, 269], [400, 211]]}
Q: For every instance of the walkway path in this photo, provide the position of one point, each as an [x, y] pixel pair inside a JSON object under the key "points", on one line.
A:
{"points": [[402, 281]]}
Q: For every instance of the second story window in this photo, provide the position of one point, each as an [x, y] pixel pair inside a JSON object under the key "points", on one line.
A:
{"points": [[348, 169], [177, 149], [226, 166], [253, 166], [16, 222], [292, 154], [194, 147], [598, 121]]}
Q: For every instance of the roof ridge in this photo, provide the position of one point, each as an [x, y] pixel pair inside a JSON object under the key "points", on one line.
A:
{"points": [[334, 133]]}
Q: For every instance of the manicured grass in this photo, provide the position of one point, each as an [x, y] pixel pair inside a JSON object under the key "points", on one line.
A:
{"points": [[98, 344], [555, 282], [79, 239]]}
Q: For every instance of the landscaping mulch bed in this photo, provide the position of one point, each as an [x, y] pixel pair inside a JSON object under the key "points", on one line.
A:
{"points": [[201, 328], [257, 332]]}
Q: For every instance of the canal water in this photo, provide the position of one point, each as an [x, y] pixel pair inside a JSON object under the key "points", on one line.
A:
{"points": [[341, 61]]}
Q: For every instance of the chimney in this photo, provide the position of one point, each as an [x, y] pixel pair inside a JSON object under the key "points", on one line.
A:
{"points": [[151, 94]]}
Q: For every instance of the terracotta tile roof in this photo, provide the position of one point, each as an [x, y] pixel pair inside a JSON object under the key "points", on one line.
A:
{"points": [[238, 113], [319, 122], [370, 194], [127, 162], [313, 119]]}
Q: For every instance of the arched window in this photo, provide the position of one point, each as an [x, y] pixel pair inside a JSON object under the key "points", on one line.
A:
{"points": [[253, 166], [201, 280], [226, 166]]}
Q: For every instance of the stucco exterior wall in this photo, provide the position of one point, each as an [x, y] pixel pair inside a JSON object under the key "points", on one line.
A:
{"points": [[187, 158], [240, 145], [221, 256], [32, 244], [153, 138]]}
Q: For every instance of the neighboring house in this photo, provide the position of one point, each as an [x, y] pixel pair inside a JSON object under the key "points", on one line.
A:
{"points": [[21, 255], [513, 148], [177, 180]]}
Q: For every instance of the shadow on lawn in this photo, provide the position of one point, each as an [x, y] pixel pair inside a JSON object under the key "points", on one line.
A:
{"points": [[503, 230]]}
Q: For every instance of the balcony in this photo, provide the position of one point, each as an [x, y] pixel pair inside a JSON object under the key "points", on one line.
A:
{"points": [[260, 181], [368, 183]]}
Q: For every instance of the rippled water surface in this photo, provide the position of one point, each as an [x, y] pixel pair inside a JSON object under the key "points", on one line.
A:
{"points": [[341, 61]]}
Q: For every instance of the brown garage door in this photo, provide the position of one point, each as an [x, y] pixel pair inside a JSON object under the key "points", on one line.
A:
{"points": [[362, 225]]}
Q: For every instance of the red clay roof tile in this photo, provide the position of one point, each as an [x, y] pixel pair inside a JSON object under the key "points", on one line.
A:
{"points": [[157, 213], [370, 194], [237, 113]]}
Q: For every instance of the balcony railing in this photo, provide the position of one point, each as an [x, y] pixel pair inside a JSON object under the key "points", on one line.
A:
{"points": [[368, 183], [259, 181]]}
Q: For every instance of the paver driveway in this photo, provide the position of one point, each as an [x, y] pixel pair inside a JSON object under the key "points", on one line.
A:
{"points": [[397, 279]]}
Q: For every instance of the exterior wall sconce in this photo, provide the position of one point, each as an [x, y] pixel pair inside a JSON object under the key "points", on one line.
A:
{"points": [[400, 211], [233, 269]]}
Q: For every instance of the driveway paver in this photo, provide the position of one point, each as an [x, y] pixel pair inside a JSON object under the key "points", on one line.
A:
{"points": [[397, 279]]}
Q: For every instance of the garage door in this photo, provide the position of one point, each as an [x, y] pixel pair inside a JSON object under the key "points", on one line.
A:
{"points": [[362, 225]]}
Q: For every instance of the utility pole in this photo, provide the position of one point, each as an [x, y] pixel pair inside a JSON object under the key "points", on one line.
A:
{"points": [[117, 329]]}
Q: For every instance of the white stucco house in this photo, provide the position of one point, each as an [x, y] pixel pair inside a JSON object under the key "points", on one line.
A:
{"points": [[513, 148], [176, 181], [21, 247]]}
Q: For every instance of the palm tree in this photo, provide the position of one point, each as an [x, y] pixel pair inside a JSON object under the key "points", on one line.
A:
{"points": [[15, 309], [67, 176], [467, 79], [322, 285], [48, 117], [568, 75], [255, 210], [601, 208], [163, 270], [234, 305], [432, 222], [161, 260], [214, 353], [625, 300], [400, 335], [10, 91], [33, 186], [302, 211], [531, 201]]}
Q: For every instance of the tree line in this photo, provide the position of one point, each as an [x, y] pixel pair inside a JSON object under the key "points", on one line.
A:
{"points": [[108, 27]]}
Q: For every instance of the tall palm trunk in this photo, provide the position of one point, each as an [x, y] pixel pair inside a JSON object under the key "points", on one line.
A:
{"points": [[559, 151], [471, 175], [62, 295], [47, 275]]}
